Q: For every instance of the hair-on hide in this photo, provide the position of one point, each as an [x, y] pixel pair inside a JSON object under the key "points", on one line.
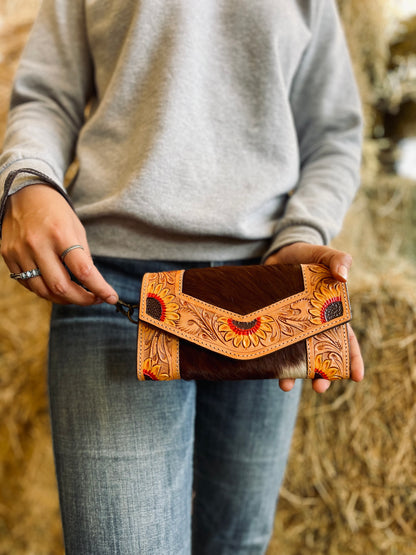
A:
{"points": [[241, 290]]}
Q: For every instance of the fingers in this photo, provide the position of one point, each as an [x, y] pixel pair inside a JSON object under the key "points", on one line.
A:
{"points": [[286, 384], [55, 283], [338, 262], [319, 385], [92, 287], [357, 368], [16, 269], [34, 284], [82, 267], [357, 363]]}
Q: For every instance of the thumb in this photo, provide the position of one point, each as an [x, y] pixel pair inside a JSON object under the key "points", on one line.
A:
{"points": [[339, 264]]}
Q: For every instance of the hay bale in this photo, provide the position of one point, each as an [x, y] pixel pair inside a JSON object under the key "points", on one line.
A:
{"points": [[350, 481], [392, 212], [29, 514], [29, 511], [368, 32]]}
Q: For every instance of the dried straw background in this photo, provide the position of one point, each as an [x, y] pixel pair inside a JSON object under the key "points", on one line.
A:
{"points": [[351, 480]]}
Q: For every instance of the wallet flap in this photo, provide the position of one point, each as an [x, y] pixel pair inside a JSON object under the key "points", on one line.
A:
{"points": [[321, 305]]}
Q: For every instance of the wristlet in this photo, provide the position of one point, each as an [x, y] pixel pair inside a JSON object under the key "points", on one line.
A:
{"points": [[243, 322]]}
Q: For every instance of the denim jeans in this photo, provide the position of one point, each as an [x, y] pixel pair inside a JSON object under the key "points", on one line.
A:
{"points": [[158, 468]]}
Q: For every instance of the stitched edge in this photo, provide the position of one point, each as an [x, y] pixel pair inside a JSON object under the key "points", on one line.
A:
{"points": [[140, 352], [309, 347]]}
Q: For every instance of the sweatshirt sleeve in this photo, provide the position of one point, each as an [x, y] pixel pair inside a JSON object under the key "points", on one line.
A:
{"points": [[327, 114], [52, 86]]}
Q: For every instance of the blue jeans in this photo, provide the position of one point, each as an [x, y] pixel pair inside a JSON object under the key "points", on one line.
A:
{"points": [[158, 468]]}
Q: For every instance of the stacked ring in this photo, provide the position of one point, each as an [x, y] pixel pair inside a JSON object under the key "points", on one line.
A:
{"points": [[27, 275], [69, 249]]}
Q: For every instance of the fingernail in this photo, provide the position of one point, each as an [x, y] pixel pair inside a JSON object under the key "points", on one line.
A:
{"points": [[326, 387], [343, 271], [98, 301], [112, 299]]}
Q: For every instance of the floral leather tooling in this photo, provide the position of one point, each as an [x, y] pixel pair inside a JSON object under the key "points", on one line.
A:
{"points": [[316, 316]]}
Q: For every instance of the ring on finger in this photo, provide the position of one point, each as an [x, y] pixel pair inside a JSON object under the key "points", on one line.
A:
{"points": [[27, 275], [69, 249]]}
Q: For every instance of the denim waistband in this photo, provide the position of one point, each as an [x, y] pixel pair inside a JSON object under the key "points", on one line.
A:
{"points": [[166, 265], [125, 274]]}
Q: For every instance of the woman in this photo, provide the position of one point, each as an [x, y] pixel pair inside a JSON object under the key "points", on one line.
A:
{"points": [[206, 133]]}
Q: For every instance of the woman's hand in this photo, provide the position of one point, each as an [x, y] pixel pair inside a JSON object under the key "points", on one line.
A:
{"points": [[38, 226], [339, 263]]}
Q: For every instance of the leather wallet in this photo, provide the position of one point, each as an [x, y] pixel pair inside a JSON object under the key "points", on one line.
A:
{"points": [[243, 322]]}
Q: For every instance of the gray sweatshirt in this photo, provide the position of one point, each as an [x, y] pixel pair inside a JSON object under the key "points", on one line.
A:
{"points": [[215, 129]]}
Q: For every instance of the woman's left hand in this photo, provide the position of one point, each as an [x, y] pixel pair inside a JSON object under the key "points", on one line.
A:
{"points": [[339, 264]]}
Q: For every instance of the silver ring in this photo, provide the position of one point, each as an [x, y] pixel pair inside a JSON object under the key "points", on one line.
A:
{"points": [[27, 275], [69, 249]]}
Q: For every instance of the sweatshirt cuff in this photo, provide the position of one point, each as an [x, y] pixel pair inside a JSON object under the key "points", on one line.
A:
{"points": [[19, 174], [39, 167], [294, 234]]}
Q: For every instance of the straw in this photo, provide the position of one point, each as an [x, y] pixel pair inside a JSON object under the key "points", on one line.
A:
{"points": [[350, 486]]}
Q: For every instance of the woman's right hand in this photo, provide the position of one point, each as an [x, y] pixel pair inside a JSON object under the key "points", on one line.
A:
{"points": [[38, 226]]}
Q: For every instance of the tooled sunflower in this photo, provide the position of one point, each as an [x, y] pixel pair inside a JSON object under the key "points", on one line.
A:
{"points": [[323, 368], [327, 304], [150, 370], [159, 304], [245, 333]]}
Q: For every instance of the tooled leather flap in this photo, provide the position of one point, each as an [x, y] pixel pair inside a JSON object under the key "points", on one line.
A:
{"points": [[321, 305]]}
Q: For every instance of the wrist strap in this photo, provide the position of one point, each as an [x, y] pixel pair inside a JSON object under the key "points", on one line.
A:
{"points": [[127, 310]]}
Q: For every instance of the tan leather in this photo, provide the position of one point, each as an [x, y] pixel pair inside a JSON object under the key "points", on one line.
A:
{"points": [[328, 354], [157, 354], [317, 315]]}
